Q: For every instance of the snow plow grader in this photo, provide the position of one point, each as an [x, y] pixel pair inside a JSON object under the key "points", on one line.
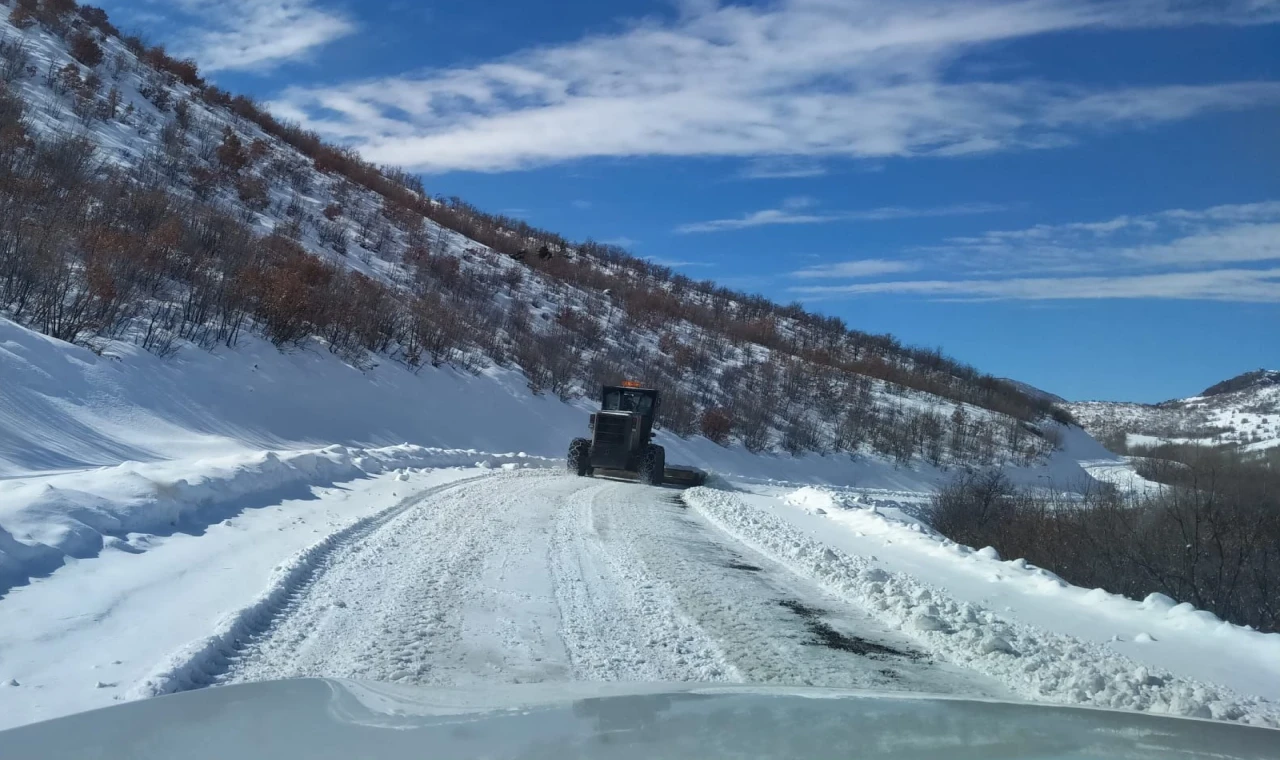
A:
{"points": [[621, 442]]}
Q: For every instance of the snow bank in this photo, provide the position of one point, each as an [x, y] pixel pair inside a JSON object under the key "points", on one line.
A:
{"points": [[1193, 643], [64, 407], [46, 519], [1034, 663], [816, 500]]}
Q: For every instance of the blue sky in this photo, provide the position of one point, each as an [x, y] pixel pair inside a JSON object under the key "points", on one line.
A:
{"points": [[1081, 195]]}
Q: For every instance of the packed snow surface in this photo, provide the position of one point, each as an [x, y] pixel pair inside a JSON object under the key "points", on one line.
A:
{"points": [[595, 580]]}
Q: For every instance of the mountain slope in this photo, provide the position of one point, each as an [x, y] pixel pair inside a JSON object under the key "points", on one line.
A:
{"points": [[1255, 380], [246, 291], [149, 206], [1242, 412], [1035, 392]]}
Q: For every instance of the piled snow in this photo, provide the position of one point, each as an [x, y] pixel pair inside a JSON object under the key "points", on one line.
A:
{"points": [[815, 500], [1033, 662], [1192, 643], [64, 407], [47, 519], [115, 617]]}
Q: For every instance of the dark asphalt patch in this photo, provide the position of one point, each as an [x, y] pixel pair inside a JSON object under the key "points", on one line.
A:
{"points": [[825, 635], [675, 499]]}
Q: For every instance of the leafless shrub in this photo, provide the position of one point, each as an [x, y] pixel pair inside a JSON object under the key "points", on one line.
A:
{"points": [[1211, 538], [15, 56]]}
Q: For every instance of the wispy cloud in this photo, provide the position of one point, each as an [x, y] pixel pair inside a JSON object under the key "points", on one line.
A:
{"points": [[678, 263], [1239, 233], [782, 167], [1216, 285], [790, 213], [581, 204], [857, 268], [793, 80], [755, 219], [256, 34], [796, 202], [1222, 253]]}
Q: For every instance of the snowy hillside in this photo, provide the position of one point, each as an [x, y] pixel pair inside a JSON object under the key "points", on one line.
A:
{"points": [[1035, 392], [1243, 412], [197, 220]]}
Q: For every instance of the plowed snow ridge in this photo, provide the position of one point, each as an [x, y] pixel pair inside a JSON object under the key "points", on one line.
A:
{"points": [[77, 514]]}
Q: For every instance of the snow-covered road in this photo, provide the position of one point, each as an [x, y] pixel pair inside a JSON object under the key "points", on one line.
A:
{"points": [[535, 576], [471, 575]]}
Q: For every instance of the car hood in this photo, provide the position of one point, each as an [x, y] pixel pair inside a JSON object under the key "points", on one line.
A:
{"points": [[327, 718]]}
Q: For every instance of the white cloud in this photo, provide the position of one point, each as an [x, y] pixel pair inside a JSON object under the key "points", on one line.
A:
{"points": [[1154, 104], [258, 34], [755, 219], [795, 80], [581, 204], [798, 202], [1236, 243], [677, 263], [789, 214], [1252, 285], [857, 268], [1223, 253], [1239, 233], [782, 167]]}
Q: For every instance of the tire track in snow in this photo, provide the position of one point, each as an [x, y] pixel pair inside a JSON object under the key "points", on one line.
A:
{"points": [[714, 609], [533, 576], [455, 591], [619, 623], [203, 662]]}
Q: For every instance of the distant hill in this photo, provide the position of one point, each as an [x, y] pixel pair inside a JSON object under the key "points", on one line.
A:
{"points": [[1035, 392], [1259, 378], [1243, 411]]}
